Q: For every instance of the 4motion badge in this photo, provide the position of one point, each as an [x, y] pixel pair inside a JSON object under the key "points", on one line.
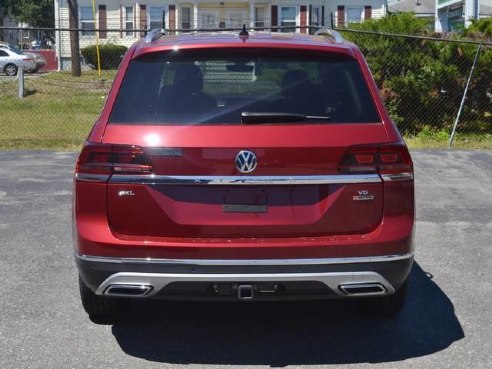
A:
{"points": [[363, 195]]}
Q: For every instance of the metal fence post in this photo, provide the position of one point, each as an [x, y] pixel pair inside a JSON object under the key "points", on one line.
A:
{"points": [[464, 97], [20, 78]]}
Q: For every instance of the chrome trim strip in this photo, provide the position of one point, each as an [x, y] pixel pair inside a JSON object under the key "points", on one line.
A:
{"points": [[153, 179], [247, 262], [408, 176], [159, 280]]}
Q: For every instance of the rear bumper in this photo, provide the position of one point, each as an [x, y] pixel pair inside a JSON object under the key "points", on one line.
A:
{"points": [[220, 279]]}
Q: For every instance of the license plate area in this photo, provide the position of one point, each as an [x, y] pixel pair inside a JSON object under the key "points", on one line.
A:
{"points": [[245, 200]]}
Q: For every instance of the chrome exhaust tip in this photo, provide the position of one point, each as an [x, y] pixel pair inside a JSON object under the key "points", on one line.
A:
{"points": [[128, 290], [363, 289]]}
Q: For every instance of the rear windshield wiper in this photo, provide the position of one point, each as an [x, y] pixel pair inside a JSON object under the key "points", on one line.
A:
{"points": [[267, 117]]}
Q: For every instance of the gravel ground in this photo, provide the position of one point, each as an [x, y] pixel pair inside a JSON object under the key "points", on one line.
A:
{"points": [[446, 322]]}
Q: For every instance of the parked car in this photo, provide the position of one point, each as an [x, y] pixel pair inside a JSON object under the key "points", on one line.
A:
{"points": [[199, 181], [11, 59], [39, 60]]}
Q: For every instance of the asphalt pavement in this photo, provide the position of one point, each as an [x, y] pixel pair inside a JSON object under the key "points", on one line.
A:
{"points": [[446, 322]]}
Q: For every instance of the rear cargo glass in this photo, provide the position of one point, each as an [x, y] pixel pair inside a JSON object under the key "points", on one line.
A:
{"points": [[216, 86]]}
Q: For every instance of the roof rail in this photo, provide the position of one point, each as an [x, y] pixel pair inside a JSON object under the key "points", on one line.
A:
{"points": [[337, 37], [154, 34]]}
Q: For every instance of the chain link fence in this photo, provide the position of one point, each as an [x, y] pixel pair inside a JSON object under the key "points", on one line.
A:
{"points": [[432, 86], [429, 86]]}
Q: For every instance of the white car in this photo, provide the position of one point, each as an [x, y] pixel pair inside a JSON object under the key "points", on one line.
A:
{"points": [[11, 59]]}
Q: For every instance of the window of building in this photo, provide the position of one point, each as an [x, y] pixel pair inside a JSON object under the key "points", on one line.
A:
{"points": [[236, 18], [157, 17], [288, 15], [185, 18], [316, 16], [129, 21], [259, 17], [87, 22], [354, 15], [209, 20]]}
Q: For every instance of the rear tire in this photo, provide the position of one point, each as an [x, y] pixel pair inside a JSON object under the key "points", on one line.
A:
{"points": [[98, 307], [11, 70], [387, 305]]}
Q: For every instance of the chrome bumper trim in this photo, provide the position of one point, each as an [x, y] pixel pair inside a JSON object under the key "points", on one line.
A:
{"points": [[160, 280], [246, 262], [153, 179]]}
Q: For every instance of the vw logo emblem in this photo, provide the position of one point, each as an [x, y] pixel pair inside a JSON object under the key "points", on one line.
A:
{"points": [[246, 161]]}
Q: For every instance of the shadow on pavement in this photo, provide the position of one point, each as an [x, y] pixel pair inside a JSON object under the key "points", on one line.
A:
{"points": [[293, 333]]}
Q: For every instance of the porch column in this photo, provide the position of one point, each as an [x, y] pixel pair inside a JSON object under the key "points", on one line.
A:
{"points": [[469, 12], [195, 15], [251, 14]]}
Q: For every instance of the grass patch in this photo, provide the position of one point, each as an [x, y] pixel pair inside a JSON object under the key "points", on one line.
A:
{"points": [[57, 112], [461, 141], [439, 139]]}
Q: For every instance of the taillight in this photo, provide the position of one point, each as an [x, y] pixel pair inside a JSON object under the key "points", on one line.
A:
{"points": [[102, 160], [359, 159], [394, 159], [391, 161]]}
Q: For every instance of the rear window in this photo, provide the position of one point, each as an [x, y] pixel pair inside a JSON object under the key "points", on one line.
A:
{"points": [[217, 86]]}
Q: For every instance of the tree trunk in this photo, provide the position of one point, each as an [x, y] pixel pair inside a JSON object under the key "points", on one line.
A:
{"points": [[73, 10]]}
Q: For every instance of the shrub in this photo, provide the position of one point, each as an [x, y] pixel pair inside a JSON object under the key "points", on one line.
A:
{"points": [[482, 26], [423, 81], [110, 55]]}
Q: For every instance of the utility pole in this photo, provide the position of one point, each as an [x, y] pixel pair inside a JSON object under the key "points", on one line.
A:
{"points": [[73, 23]]}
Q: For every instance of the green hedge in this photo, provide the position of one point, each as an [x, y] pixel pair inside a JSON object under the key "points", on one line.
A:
{"points": [[110, 55]]}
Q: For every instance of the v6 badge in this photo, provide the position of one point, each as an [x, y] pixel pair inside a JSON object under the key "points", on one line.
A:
{"points": [[363, 195]]}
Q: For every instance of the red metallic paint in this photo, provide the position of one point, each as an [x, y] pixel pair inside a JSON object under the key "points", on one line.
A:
{"points": [[324, 223], [328, 136], [393, 236], [293, 211]]}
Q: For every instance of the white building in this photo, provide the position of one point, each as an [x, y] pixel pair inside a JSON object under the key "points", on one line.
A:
{"points": [[421, 8], [16, 34], [453, 15], [125, 16]]}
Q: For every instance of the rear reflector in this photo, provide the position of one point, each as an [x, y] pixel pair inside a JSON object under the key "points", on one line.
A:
{"points": [[385, 159], [106, 159]]}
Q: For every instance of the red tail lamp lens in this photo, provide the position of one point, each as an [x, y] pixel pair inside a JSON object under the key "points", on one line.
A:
{"points": [[394, 159], [364, 158], [382, 159], [109, 159], [389, 157], [359, 160]]}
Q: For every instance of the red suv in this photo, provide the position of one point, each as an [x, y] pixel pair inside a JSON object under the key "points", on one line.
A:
{"points": [[230, 166]]}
